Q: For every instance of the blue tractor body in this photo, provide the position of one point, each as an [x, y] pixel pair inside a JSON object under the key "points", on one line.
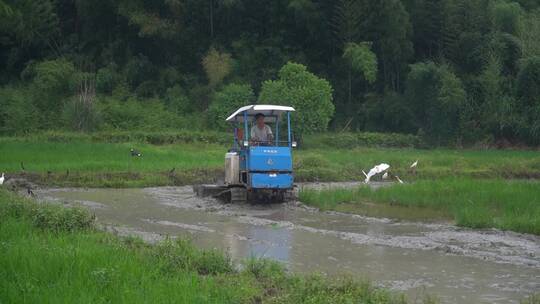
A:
{"points": [[268, 167]]}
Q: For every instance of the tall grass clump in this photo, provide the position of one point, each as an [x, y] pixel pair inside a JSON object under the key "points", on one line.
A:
{"points": [[508, 205], [45, 216]]}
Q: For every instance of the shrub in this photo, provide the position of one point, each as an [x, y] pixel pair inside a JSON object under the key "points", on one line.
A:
{"points": [[528, 82], [226, 101], [217, 66], [388, 113], [176, 101], [55, 77], [505, 16], [107, 78], [528, 93], [18, 115], [264, 269], [139, 69], [436, 97], [310, 95], [80, 111], [134, 114], [148, 88]]}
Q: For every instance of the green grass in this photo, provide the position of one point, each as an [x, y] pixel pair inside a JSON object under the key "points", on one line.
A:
{"points": [[508, 205], [86, 156], [51, 254], [109, 164], [85, 163], [336, 164]]}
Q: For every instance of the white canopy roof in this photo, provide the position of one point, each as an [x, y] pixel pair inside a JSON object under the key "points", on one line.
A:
{"points": [[270, 111]]}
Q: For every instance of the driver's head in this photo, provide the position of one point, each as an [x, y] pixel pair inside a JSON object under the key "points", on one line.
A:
{"points": [[259, 119]]}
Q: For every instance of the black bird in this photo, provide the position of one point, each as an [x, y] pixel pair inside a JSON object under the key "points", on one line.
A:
{"points": [[135, 153], [172, 171], [30, 192], [22, 166]]}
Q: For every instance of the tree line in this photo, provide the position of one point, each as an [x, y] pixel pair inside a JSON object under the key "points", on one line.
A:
{"points": [[453, 71]]}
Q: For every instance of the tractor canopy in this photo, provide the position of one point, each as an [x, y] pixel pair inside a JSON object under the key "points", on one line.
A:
{"points": [[272, 113]]}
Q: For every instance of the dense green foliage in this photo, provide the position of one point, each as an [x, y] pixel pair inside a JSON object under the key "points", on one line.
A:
{"points": [[309, 95], [226, 101], [508, 205], [451, 71], [53, 254]]}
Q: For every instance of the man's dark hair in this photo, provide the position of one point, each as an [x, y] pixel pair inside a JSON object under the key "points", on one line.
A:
{"points": [[259, 115]]}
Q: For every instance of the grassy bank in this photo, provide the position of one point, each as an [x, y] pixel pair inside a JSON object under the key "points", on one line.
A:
{"points": [[51, 254], [85, 162], [508, 205]]}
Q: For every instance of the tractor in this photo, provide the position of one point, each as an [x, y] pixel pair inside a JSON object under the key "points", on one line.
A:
{"points": [[257, 171]]}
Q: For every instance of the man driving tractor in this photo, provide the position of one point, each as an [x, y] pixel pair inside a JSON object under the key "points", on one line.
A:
{"points": [[261, 133]]}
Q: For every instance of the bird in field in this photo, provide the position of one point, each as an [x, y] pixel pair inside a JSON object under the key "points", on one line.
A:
{"points": [[135, 153], [375, 170], [413, 166], [30, 192], [398, 179], [2, 179], [385, 175]]}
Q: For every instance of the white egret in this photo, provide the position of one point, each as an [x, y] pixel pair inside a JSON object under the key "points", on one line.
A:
{"points": [[376, 170], [385, 175], [2, 178], [414, 164], [398, 179]]}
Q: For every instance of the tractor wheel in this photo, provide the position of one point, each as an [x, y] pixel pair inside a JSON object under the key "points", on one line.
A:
{"points": [[238, 195]]}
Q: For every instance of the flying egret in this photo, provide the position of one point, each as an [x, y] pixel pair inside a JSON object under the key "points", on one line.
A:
{"points": [[398, 179], [376, 170], [414, 164], [385, 175], [2, 178]]}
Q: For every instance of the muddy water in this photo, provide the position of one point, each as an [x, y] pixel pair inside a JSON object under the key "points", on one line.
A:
{"points": [[457, 265]]}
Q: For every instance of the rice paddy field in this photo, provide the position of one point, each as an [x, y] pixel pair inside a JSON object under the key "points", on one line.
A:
{"points": [[101, 164], [473, 188], [55, 254], [508, 205]]}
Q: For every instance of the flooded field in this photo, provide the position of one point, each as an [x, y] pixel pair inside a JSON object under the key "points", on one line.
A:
{"points": [[458, 265]]}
